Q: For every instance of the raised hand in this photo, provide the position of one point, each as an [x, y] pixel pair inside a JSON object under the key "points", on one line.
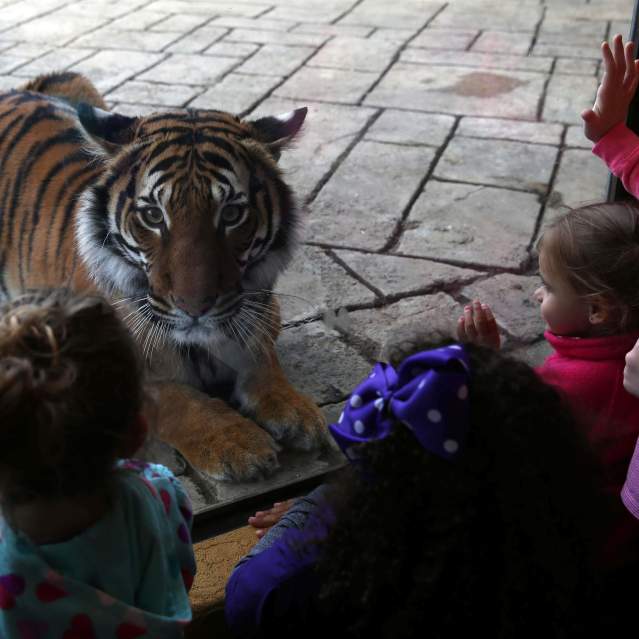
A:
{"points": [[617, 88], [264, 519], [478, 326]]}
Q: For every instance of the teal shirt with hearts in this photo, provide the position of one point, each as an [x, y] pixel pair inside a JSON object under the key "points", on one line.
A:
{"points": [[125, 577]]}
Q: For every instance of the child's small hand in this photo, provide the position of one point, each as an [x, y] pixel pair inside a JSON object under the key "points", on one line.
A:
{"points": [[618, 86], [264, 519], [478, 326], [631, 371]]}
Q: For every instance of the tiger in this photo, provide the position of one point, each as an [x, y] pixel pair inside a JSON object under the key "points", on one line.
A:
{"points": [[184, 221]]}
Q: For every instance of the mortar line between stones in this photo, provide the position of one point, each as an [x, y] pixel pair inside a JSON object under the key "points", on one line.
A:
{"points": [[533, 42], [354, 274], [477, 266], [340, 158], [345, 13], [544, 90], [92, 51], [399, 51], [182, 36], [462, 65], [551, 186], [270, 92], [399, 226], [450, 289], [473, 40], [518, 189], [35, 17], [263, 13], [109, 21]]}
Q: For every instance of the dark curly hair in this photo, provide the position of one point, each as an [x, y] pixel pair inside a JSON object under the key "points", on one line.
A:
{"points": [[501, 541]]}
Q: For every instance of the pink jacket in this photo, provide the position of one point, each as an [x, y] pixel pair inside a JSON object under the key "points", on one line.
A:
{"points": [[589, 373], [619, 149]]}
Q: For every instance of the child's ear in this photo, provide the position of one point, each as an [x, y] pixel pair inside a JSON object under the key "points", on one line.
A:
{"points": [[136, 437], [598, 311]]}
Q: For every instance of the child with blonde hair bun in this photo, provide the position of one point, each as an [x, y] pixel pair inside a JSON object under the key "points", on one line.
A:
{"points": [[91, 544]]}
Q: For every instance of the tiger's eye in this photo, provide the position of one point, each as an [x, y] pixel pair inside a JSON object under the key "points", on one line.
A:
{"points": [[152, 216], [232, 214]]}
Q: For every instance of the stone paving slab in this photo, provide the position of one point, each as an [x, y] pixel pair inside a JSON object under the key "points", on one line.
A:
{"points": [[396, 276], [320, 364], [169, 95], [236, 93], [496, 16], [468, 224], [472, 59], [320, 146], [460, 90], [353, 53], [403, 15], [379, 325], [567, 96], [275, 59], [498, 162], [434, 147], [59, 59], [503, 42], [367, 195], [315, 284], [101, 67], [110, 38], [340, 86], [497, 129], [581, 179], [402, 127], [184, 69], [456, 39]]}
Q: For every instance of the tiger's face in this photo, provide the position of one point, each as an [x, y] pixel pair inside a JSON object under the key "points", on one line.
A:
{"points": [[191, 220]]}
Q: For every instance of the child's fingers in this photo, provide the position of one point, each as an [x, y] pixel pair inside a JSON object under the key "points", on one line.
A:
{"points": [[619, 55], [608, 60], [589, 116], [461, 329], [469, 322], [631, 68]]}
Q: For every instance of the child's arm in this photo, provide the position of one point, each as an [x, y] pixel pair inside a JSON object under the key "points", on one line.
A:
{"points": [[617, 88], [605, 125], [478, 326]]}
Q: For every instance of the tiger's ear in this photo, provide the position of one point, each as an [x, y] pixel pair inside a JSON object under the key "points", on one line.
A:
{"points": [[276, 132], [109, 130]]}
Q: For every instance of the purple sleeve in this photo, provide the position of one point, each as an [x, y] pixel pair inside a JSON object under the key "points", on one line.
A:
{"points": [[278, 583]]}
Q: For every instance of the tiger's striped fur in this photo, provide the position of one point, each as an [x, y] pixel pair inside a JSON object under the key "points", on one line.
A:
{"points": [[185, 221]]}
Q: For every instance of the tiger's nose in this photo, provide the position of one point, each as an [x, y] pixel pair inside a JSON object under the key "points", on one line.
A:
{"points": [[194, 307]]}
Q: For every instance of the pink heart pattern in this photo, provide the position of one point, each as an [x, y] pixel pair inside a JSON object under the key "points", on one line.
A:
{"points": [[47, 592], [81, 628]]}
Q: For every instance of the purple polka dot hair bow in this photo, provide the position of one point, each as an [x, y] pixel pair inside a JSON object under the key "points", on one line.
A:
{"points": [[428, 394]]}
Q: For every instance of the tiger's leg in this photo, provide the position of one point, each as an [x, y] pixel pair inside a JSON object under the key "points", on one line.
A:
{"points": [[265, 395], [68, 85], [216, 439]]}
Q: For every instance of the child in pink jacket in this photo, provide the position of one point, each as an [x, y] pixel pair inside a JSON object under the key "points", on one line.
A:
{"points": [[618, 147]]}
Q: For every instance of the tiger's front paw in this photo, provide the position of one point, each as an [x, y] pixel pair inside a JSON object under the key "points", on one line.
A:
{"points": [[291, 418], [222, 444]]}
